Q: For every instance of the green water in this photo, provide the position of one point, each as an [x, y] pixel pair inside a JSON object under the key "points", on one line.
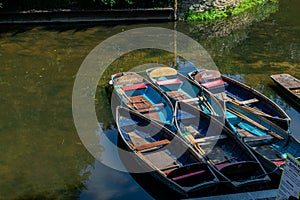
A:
{"points": [[41, 153]]}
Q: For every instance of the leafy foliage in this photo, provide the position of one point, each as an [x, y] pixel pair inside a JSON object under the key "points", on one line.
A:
{"points": [[215, 14]]}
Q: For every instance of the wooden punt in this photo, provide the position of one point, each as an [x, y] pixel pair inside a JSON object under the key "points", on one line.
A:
{"points": [[178, 87], [268, 141], [232, 160], [164, 155], [141, 95], [290, 85], [228, 89]]}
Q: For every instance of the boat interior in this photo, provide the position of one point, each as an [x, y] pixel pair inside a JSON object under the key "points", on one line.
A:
{"points": [[172, 159]]}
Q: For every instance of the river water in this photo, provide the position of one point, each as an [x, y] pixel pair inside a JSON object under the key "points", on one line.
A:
{"points": [[42, 155]]}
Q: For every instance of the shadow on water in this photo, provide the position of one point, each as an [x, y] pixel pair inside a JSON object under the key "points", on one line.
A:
{"points": [[290, 104]]}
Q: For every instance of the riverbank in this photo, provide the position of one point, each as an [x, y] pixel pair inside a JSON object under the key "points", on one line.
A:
{"points": [[86, 16]]}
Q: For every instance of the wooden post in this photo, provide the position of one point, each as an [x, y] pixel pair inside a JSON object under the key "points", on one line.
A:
{"points": [[175, 45], [175, 9]]}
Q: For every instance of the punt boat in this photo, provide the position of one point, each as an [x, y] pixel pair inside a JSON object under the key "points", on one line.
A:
{"points": [[289, 84], [228, 89], [164, 155], [178, 87], [139, 94], [231, 158]]}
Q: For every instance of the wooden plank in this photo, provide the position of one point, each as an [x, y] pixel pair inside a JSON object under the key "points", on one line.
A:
{"points": [[258, 138], [153, 114], [177, 95], [152, 144], [151, 108], [254, 100], [215, 137], [136, 139], [286, 80], [162, 160], [295, 90], [244, 133], [189, 100]]}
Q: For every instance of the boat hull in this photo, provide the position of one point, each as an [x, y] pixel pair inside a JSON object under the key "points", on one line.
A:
{"points": [[290, 85], [232, 160], [135, 92], [269, 142], [228, 89], [178, 87], [173, 164]]}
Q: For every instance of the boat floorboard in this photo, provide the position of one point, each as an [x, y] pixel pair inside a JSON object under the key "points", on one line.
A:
{"points": [[152, 114], [161, 159], [137, 140], [267, 151], [216, 154], [243, 133], [141, 104], [177, 95]]}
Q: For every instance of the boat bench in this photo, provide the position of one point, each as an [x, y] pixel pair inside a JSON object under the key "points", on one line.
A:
{"points": [[213, 84], [134, 87], [249, 101], [152, 145], [258, 138], [210, 138], [169, 82]]}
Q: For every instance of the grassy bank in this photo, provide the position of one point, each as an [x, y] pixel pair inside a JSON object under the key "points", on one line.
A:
{"points": [[215, 14]]}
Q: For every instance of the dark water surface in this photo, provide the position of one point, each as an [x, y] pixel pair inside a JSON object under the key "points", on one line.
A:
{"points": [[41, 153]]}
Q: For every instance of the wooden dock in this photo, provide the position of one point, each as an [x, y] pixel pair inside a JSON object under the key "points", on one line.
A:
{"points": [[87, 16]]}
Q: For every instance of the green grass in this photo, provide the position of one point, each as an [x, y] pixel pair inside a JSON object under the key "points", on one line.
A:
{"points": [[215, 14]]}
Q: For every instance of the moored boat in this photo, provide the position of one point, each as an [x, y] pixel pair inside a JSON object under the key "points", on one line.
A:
{"points": [[164, 155], [141, 95], [232, 160], [178, 87], [228, 89], [290, 85], [269, 142]]}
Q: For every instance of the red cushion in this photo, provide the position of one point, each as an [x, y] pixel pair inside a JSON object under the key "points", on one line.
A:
{"points": [[213, 83], [169, 81], [134, 87], [279, 163]]}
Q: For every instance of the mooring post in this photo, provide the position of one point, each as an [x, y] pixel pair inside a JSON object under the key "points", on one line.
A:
{"points": [[175, 9]]}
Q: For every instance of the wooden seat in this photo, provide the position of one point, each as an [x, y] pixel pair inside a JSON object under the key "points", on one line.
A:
{"points": [[258, 138], [211, 138], [249, 101], [169, 82], [212, 84], [152, 145], [134, 87]]}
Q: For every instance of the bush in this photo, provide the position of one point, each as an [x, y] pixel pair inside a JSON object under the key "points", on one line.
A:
{"points": [[215, 14]]}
